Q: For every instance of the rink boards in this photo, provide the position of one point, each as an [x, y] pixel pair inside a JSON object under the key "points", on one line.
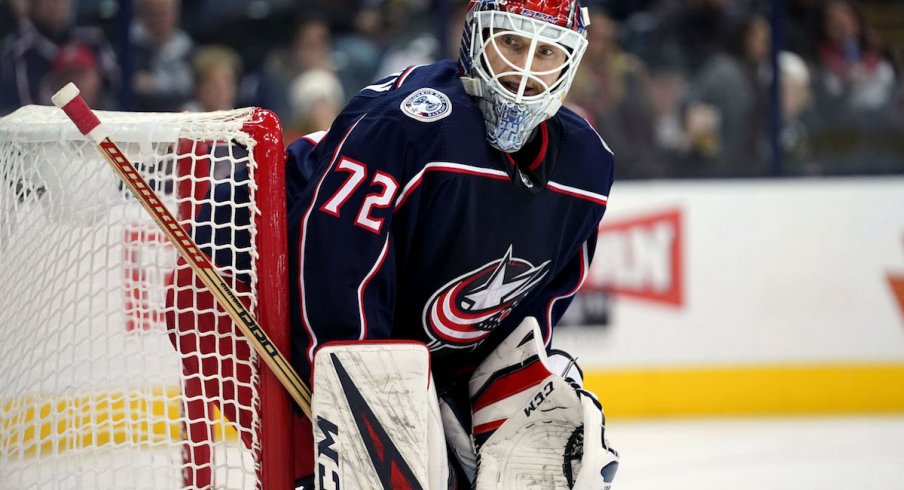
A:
{"points": [[748, 297], [729, 298]]}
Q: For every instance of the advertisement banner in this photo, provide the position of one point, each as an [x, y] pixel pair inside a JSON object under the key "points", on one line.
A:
{"points": [[725, 277]]}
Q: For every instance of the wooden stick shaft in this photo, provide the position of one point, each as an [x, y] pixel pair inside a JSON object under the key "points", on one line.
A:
{"points": [[192, 254]]}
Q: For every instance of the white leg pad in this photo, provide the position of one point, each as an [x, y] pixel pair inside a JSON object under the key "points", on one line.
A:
{"points": [[376, 418]]}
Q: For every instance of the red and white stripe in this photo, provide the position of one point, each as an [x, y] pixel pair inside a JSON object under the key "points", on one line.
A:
{"points": [[315, 137], [405, 74], [505, 396], [578, 193], [449, 167], [461, 168]]}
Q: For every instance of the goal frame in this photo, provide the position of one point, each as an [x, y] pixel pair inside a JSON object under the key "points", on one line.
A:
{"points": [[275, 468], [277, 450]]}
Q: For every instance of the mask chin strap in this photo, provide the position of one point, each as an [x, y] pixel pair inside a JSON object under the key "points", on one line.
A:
{"points": [[553, 107], [473, 86]]}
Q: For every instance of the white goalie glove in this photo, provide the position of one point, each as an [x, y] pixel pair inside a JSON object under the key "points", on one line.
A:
{"points": [[533, 424]]}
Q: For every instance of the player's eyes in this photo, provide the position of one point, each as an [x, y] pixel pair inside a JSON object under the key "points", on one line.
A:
{"points": [[510, 41]]}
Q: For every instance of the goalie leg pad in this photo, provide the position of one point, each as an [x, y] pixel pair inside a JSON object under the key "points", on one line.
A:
{"points": [[376, 418]]}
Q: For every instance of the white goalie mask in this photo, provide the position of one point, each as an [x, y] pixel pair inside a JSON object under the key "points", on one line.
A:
{"points": [[519, 57]]}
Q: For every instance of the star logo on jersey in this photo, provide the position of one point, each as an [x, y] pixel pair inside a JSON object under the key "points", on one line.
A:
{"points": [[467, 309]]}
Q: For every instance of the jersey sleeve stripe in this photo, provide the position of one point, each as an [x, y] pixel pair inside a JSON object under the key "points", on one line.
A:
{"points": [[446, 167], [578, 193], [301, 246], [584, 265], [384, 84], [605, 145], [370, 275], [449, 167], [315, 137], [405, 74]]}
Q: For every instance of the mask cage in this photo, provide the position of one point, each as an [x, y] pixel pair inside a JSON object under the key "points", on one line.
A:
{"points": [[489, 26]]}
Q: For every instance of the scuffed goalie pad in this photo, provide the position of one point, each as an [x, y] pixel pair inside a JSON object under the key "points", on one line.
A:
{"points": [[528, 451], [371, 410]]}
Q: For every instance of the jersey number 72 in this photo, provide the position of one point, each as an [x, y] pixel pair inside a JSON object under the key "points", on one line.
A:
{"points": [[381, 198]]}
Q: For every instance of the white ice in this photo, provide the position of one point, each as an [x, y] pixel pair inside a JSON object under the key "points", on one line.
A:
{"points": [[801, 453]]}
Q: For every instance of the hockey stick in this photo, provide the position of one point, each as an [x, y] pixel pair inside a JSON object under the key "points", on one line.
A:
{"points": [[69, 100]]}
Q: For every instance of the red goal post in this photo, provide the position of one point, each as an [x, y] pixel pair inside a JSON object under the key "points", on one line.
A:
{"points": [[87, 367]]}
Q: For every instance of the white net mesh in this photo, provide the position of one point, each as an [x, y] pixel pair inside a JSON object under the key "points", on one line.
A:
{"points": [[97, 388]]}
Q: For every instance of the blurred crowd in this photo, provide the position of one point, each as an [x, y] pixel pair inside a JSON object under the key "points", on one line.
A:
{"points": [[678, 88]]}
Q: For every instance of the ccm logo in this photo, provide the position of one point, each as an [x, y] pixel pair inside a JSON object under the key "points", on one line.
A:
{"points": [[641, 257], [539, 398], [327, 456]]}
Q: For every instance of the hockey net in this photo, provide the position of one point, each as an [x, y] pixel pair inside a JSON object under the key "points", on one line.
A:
{"points": [[104, 383]]}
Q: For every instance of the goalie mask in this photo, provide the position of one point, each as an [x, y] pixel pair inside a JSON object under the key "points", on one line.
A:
{"points": [[519, 57]]}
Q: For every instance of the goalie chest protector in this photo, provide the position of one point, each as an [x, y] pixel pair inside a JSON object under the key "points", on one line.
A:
{"points": [[405, 223]]}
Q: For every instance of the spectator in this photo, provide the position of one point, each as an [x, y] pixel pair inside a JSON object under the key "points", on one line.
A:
{"points": [[726, 103], [666, 87], [853, 75], [697, 30], [11, 13], [163, 74], [316, 97], [358, 52], [217, 72], [413, 40], [76, 63], [855, 89], [801, 26], [412, 49], [798, 119], [311, 48], [611, 88], [27, 55]]}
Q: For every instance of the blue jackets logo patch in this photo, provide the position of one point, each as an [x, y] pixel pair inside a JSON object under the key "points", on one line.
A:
{"points": [[466, 310], [427, 105]]}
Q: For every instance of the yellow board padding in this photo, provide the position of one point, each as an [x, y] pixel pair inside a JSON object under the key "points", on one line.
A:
{"points": [[750, 390], [33, 427]]}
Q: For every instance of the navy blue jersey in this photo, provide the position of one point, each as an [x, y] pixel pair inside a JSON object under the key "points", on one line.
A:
{"points": [[405, 223]]}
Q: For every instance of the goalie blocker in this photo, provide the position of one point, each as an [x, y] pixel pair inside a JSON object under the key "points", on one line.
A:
{"points": [[378, 424]]}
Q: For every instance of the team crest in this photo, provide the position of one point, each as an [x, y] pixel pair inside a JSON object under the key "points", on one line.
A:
{"points": [[427, 105], [466, 310]]}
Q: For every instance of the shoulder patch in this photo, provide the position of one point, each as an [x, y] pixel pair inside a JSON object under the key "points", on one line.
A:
{"points": [[427, 105]]}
